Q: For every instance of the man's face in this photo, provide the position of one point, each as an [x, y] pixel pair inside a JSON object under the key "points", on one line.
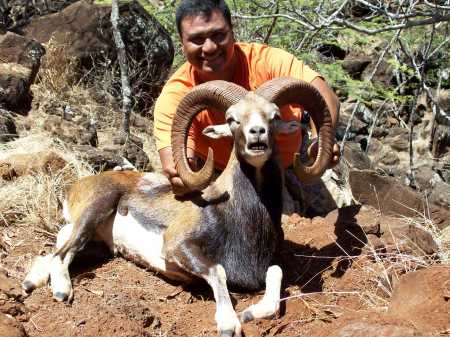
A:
{"points": [[208, 44]]}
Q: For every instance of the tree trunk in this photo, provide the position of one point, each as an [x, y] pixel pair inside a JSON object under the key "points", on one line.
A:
{"points": [[122, 58]]}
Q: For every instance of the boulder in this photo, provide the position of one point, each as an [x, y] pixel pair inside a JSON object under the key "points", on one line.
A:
{"points": [[8, 129], [86, 30], [356, 127], [355, 157], [17, 165], [10, 327], [440, 140], [440, 195], [80, 131], [9, 287], [391, 197], [331, 50], [354, 65], [384, 74], [369, 324], [113, 157], [422, 298], [363, 113], [20, 59], [385, 193], [14, 14]]}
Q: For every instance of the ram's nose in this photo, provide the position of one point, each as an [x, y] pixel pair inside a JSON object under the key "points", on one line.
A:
{"points": [[257, 131]]}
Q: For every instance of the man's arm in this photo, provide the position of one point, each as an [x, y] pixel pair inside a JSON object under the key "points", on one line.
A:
{"points": [[333, 106]]}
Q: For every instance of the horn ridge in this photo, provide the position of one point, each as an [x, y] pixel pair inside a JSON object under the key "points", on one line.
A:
{"points": [[219, 95], [287, 90]]}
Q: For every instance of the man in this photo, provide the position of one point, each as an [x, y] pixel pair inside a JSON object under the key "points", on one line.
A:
{"points": [[208, 43]]}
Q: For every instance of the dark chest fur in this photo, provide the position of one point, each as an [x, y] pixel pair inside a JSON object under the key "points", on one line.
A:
{"points": [[243, 233]]}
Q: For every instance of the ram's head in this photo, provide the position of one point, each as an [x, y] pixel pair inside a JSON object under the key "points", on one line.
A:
{"points": [[252, 118]]}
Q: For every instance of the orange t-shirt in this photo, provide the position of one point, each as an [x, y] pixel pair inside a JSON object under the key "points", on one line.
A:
{"points": [[256, 64]]}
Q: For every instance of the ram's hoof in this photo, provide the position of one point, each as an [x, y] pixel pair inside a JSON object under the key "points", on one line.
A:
{"points": [[60, 297], [28, 286], [246, 316]]}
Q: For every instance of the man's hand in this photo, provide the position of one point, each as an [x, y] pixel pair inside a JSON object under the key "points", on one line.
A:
{"points": [[336, 153], [168, 166]]}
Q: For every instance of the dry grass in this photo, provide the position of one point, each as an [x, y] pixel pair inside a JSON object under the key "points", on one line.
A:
{"points": [[33, 200], [58, 70], [60, 86]]}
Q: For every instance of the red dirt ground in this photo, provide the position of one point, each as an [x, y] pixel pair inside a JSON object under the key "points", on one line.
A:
{"points": [[113, 297]]}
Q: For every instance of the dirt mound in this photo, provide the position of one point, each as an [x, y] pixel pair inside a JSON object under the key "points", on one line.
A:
{"points": [[370, 324], [423, 298]]}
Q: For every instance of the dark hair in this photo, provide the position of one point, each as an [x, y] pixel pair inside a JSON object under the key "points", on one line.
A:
{"points": [[205, 7]]}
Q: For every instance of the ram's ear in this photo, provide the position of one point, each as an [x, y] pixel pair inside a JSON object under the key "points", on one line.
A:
{"points": [[217, 131], [286, 127]]}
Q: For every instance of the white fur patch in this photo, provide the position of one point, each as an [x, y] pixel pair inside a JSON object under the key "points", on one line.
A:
{"points": [[270, 303], [65, 211], [256, 120], [133, 240], [63, 235], [151, 180], [40, 271], [226, 318], [60, 278]]}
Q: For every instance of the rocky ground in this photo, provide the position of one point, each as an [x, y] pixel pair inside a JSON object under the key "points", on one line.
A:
{"points": [[352, 273]]}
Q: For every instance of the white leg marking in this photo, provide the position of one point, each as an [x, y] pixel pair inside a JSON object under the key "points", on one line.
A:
{"points": [[270, 303], [39, 273], [63, 235], [226, 318], [59, 270], [60, 278], [65, 211]]}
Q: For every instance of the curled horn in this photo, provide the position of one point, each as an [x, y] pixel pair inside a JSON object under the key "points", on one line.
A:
{"points": [[286, 90], [218, 95]]}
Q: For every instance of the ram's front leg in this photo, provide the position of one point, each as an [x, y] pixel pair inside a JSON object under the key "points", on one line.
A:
{"points": [[270, 303], [189, 257]]}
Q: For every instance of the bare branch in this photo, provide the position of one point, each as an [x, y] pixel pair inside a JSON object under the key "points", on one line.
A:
{"points": [[435, 5], [409, 24], [334, 22], [272, 25], [280, 15]]}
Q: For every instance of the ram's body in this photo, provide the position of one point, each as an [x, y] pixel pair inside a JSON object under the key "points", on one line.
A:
{"points": [[227, 234]]}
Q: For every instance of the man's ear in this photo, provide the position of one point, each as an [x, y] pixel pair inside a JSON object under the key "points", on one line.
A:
{"points": [[217, 131], [286, 127]]}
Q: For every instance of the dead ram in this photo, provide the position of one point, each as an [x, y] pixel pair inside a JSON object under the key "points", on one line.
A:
{"points": [[228, 233]]}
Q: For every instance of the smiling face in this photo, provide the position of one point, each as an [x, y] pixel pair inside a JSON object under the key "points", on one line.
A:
{"points": [[208, 44]]}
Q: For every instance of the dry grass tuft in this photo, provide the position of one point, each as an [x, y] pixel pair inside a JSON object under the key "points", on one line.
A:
{"points": [[58, 70], [34, 200], [60, 86]]}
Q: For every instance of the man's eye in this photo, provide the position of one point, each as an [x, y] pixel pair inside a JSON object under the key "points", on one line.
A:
{"points": [[218, 37], [197, 40]]}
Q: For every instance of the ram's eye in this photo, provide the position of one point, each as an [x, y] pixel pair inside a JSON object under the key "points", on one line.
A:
{"points": [[231, 120], [276, 117]]}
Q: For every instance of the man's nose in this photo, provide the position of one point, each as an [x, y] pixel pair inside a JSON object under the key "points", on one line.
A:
{"points": [[209, 46]]}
